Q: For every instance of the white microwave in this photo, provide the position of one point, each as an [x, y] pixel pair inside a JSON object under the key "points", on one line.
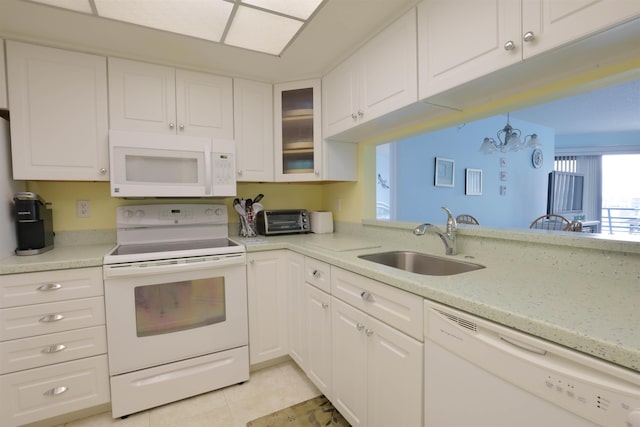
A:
{"points": [[157, 165]]}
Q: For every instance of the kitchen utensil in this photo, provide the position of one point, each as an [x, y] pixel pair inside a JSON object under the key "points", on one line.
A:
{"points": [[257, 207], [258, 198]]}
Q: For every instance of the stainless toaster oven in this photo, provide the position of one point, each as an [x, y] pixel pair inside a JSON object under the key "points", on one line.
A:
{"points": [[283, 221]]}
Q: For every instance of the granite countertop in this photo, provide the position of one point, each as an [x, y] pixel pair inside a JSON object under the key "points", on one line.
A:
{"points": [[59, 258], [586, 309]]}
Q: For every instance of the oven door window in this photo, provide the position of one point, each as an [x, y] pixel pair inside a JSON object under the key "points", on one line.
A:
{"points": [[178, 306]]}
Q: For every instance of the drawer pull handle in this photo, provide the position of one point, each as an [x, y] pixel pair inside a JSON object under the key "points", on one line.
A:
{"points": [[359, 326], [53, 348], [55, 391], [325, 305], [368, 332], [49, 287], [367, 296], [316, 274], [51, 318]]}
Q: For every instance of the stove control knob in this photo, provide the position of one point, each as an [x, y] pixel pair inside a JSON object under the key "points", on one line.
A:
{"points": [[139, 213], [127, 213], [219, 212], [210, 212]]}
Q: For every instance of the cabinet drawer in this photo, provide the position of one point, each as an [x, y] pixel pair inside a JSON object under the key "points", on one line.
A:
{"points": [[317, 273], [27, 353], [50, 286], [39, 319], [398, 308], [41, 393]]}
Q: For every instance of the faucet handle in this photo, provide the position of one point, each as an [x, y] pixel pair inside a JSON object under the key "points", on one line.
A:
{"points": [[451, 220]]}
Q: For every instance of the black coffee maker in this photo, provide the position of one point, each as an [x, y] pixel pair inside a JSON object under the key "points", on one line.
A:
{"points": [[34, 224]]}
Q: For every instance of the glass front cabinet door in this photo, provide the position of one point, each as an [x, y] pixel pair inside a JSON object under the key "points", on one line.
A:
{"points": [[298, 139]]}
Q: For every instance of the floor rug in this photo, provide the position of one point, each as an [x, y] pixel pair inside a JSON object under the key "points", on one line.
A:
{"points": [[316, 412]]}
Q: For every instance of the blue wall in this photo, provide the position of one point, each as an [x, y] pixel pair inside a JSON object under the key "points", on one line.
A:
{"points": [[418, 200]]}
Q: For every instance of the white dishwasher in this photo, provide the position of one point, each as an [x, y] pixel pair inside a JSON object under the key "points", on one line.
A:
{"points": [[480, 374]]}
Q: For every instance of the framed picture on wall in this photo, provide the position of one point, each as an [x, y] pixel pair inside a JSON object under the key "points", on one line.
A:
{"points": [[473, 184], [444, 174]]}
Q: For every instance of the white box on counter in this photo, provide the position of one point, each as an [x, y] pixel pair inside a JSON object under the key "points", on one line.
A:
{"points": [[321, 221]]}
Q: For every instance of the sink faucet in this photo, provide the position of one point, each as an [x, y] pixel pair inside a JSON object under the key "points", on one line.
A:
{"points": [[448, 237]]}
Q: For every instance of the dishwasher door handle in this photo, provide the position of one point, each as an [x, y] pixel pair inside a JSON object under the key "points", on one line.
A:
{"points": [[523, 346]]}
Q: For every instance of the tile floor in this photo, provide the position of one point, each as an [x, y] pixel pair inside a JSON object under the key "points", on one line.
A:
{"points": [[267, 390]]}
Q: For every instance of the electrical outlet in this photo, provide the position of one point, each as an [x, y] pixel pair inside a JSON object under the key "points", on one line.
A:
{"points": [[83, 209]]}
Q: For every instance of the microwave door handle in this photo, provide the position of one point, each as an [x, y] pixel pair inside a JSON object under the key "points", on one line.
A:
{"points": [[207, 172]]}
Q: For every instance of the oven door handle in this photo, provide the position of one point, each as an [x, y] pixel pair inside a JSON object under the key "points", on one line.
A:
{"points": [[172, 265]]}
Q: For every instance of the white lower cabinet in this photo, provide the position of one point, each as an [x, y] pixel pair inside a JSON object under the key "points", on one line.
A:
{"points": [[376, 370], [317, 308], [52, 344], [358, 340], [267, 295], [294, 266]]}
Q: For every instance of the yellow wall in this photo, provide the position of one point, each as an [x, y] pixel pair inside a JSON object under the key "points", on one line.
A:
{"points": [[63, 196], [355, 200]]}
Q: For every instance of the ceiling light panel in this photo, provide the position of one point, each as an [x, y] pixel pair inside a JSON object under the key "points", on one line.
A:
{"points": [[76, 5], [205, 19], [261, 31], [302, 9]]}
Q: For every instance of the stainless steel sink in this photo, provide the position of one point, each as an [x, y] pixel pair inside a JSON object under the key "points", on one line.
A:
{"points": [[416, 262]]}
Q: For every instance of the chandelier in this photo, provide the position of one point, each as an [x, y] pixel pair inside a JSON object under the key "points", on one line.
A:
{"points": [[509, 140]]}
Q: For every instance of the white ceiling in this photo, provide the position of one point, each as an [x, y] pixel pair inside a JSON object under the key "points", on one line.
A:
{"points": [[339, 27]]}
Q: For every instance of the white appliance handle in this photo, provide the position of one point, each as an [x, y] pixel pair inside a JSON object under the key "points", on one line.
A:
{"points": [[145, 268]]}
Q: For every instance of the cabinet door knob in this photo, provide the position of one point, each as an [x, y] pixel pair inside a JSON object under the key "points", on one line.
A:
{"points": [[239, 173], [252, 261], [367, 296], [360, 113], [53, 348], [325, 305], [181, 126], [354, 116], [316, 274], [49, 287], [368, 332], [510, 45], [359, 326], [528, 36], [55, 391], [51, 318], [103, 171], [171, 125]]}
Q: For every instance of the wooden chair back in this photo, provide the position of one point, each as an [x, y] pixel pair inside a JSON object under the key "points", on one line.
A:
{"points": [[551, 222]]}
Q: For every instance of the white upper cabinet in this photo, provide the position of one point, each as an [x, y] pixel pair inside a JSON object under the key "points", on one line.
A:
{"points": [[550, 23], [297, 131], [154, 98], [59, 121], [380, 78], [455, 48], [253, 122], [3, 78]]}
